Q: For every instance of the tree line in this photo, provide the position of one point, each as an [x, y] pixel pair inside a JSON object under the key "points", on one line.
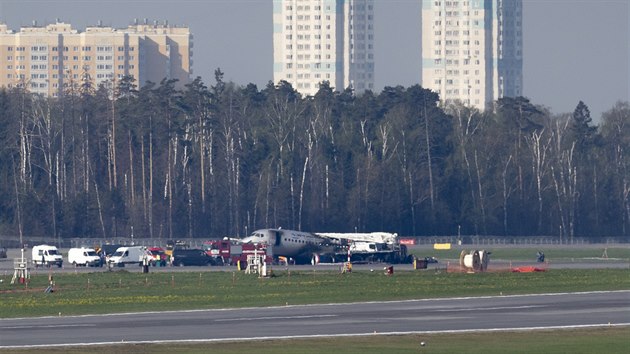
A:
{"points": [[166, 162]]}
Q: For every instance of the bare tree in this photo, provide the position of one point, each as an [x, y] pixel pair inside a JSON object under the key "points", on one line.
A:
{"points": [[539, 149]]}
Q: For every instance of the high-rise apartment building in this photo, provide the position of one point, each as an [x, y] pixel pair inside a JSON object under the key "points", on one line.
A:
{"points": [[54, 58], [324, 40], [472, 50]]}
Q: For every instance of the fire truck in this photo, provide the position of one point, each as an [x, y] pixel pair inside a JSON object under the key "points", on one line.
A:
{"points": [[231, 252]]}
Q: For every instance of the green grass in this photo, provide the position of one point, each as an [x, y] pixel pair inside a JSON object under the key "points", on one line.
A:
{"points": [[602, 340], [121, 291]]}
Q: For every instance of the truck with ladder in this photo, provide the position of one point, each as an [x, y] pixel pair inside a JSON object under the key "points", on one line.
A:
{"points": [[366, 247], [230, 252]]}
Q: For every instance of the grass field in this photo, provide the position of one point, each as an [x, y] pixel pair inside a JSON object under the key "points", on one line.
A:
{"points": [[122, 291]]}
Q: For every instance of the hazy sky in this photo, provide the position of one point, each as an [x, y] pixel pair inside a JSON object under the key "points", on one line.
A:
{"points": [[573, 49]]}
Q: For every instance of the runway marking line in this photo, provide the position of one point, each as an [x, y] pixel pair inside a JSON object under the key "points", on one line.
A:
{"points": [[492, 308], [272, 318], [48, 326], [249, 339], [488, 330], [329, 304]]}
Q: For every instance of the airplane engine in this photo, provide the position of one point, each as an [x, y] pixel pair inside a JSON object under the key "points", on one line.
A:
{"points": [[474, 260]]}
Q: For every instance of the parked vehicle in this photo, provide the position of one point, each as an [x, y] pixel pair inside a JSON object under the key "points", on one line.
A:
{"points": [[106, 251], [158, 256], [171, 245], [3, 252], [128, 255], [46, 255], [431, 259], [109, 250], [229, 252], [84, 257], [188, 257]]}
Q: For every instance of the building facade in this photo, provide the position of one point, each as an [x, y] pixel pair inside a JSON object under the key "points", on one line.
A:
{"points": [[324, 40], [52, 59], [472, 51]]}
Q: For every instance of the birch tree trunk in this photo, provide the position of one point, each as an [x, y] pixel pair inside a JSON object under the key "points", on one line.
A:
{"points": [[539, 158], [115, 175], [302, 194], [506, 195], [18, 207], [429, 162], [482, 202], [151, 182], [131, 175]]}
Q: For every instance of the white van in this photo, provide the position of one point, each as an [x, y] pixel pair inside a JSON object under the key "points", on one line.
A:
{"points": [[46, 255], [83, 257], [128, 255]]}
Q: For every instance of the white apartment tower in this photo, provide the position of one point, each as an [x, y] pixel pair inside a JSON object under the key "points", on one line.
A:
{"points": [[324, 40], [472, 50]]}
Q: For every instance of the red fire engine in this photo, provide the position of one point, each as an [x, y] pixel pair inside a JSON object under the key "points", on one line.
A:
{"points": [[231, 252]]}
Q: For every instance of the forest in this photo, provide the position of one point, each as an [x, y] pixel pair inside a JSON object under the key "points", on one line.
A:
{"points": [[172, 161]]}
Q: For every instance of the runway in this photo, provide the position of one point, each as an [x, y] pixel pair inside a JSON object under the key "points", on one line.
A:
{"points": [[492, 313]]}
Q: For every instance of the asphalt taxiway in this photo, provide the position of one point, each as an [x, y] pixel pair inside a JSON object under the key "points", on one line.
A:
{"points": [[493, 313]]}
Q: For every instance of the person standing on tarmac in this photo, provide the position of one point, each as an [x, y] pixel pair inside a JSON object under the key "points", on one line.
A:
{"points": [[145, 263]]}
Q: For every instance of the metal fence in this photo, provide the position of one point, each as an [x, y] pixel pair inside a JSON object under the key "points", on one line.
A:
{"points": [[518, 240], [8, 241]]}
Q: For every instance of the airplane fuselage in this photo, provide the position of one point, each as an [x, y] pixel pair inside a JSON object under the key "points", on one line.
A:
{"points": [[287, 243]]}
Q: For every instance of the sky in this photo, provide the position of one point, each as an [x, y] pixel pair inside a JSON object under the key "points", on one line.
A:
{"points": [[573, 49]]}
